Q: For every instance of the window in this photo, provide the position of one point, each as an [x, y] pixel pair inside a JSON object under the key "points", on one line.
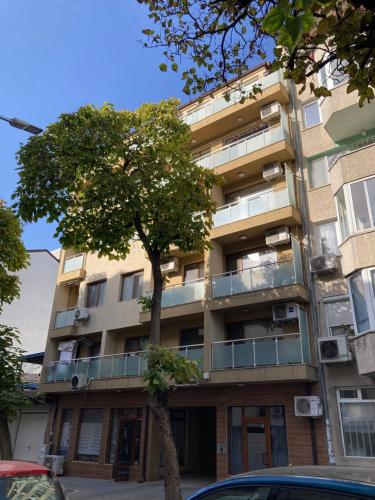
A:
{"points": [[362, 289], [339, 316], [250, 259], [319, 172], [242, 493], [357, 415], [191, 336], [311, 114], [66, 428], [134, 444], [136, 344], [342, 214], [90, 434], [327, 239], [317, 493], [95, 293], [331, 76], [132, 286], [194, 271]]}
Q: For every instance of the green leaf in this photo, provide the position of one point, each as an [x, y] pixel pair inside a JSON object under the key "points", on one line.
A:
{"points": [[174, 66], [274, 20], [148, 32], [163, 67]]}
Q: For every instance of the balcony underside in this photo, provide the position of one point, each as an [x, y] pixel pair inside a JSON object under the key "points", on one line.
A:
{"points": [[263, 374], [182, 311], [256, 225], [282, 293], [96, 385], [66, 331], [71, 277], [224, 121], [252, 163]]}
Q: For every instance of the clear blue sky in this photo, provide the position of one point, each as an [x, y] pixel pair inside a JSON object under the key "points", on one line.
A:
{"points": [[59, 54]]}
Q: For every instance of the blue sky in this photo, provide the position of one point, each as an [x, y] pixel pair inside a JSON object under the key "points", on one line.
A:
{"points": [[59, 54]]}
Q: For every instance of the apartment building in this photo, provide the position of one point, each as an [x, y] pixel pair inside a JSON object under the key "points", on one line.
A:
{"points": [[249, 310]]}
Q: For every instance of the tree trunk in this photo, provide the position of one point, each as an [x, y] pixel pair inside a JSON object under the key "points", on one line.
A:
{"points": [[156, 298], [5, 440], [172, 486]]}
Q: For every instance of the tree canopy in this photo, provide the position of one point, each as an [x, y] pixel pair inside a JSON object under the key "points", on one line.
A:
{"points": [[216, 40]]}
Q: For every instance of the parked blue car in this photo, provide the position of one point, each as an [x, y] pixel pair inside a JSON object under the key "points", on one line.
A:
{"points": [[295, 483]]}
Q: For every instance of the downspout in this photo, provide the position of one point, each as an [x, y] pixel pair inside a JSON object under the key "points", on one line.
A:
{"points": [[310, 281]]}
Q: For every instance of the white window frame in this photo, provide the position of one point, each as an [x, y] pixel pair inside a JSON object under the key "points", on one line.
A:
{"points": [[330, 81], [369, 297], [318, 236], [306, 104], [336, 298], [358, 399], [311, 177]]}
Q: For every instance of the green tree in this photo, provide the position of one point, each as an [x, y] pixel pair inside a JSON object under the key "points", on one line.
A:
{"points": [[103, 176], [13, 257], [222, 38]]}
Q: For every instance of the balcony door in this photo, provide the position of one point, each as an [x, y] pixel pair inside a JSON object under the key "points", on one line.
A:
{"points": [[256, 436]]}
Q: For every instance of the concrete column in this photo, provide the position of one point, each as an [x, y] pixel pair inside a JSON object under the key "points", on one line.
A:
{"points": [[108, 345], [221, 442]]}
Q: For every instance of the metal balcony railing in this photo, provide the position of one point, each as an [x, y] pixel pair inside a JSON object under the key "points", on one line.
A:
{"points": [[184, 293], [131, 364], [73, 263], [260, 351], [220, 103], [64, 318]]}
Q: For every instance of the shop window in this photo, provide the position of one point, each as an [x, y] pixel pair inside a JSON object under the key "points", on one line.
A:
{"points": [[132, 444], [339, 316], [90, 434], [357, 415], [65, 432], [95, 294], [132, 286]]}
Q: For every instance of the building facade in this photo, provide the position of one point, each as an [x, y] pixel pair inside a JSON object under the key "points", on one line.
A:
{"points": [[246, 311]]}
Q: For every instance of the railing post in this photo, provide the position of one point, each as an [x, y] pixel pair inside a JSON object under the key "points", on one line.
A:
{"points": [[231, 283], [113, 361], [255, 359], [126, 365], [277, 350], [300, 341], [186, 352], [233, 355], [212, 356], [139, 365]]}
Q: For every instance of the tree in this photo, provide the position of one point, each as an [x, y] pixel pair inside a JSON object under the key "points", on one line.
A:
{"points": [[223, 38], [103, 176], [13, 257]]}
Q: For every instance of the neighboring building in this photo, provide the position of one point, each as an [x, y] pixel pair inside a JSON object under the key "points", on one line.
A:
{"points": [[31, 314], [245, 310]]}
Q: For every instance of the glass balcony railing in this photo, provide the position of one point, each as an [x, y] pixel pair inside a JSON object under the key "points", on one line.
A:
{"points": [[259, 351], [184, 293], [244, 146], [251, 206], [73, 263], [220, 103], [131, 364], [65, 318]]}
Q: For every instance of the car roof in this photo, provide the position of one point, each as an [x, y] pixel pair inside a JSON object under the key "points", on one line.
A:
{"points": [[18, 468], [306, 477]]}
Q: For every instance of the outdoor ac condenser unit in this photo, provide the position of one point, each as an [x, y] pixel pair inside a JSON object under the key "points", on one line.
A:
{"points": [[55, 463], [322, 264], [170, 266], [270, 111], [272, 171], [278, 236], [287, 311], [81, 314], [334, 349], [307, 406], [78, 381]]}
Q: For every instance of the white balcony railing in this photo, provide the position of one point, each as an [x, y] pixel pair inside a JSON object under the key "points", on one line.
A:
{"points": [[259, 351], [220, 103], [184, 293], [64, 318], [73, 263], [251, 206], [131, 364]]}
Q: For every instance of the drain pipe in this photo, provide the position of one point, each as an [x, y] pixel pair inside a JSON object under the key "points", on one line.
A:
{"points": [[310, 281]]}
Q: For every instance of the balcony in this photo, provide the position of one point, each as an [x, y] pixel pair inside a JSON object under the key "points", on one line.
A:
{"points": [[64, 318], [73, 270], [216, 116], [112, 366]]}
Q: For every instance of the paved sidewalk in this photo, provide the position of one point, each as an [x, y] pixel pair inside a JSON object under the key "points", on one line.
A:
{"points": [[78, 488]]}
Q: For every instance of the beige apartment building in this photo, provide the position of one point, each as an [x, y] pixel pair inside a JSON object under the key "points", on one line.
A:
{"points": [[249, 310]]}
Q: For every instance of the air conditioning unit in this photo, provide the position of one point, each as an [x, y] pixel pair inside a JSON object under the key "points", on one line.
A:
{"points": [[307, 406], [270, 111], [322, 264], [81, 314], [55, 463], [278, 236], [272, 171], [170, 266], [79, 381], [287, 311], [334, 349]]}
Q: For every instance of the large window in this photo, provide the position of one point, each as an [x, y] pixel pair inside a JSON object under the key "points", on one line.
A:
{"points": [[339, 316], [327, 238], [357, 412], [362, 290], [319, 175], [311, 114], [132, 286], [90, 435], [356, 206], [66, 428], [95, 293]]}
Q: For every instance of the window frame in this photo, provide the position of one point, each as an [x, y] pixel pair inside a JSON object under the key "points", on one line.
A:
{"points": [[78, 434], [98, 284], [304, 106], [122, 282], [358, 399], [319, 247], [199, 265], [330, 300], [312, 184], [369, 295]]}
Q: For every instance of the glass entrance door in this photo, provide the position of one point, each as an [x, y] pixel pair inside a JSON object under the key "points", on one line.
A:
{"points": [[256, 437], [126, 445]]}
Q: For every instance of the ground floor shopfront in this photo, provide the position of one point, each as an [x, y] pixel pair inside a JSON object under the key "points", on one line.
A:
{"points": [[218, 431]]}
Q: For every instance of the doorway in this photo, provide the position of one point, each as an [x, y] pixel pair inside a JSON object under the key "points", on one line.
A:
{"points": [[256, 435], [126, 448]]}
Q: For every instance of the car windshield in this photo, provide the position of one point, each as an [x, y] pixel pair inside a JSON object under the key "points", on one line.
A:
{"points": [[30, 487]]}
